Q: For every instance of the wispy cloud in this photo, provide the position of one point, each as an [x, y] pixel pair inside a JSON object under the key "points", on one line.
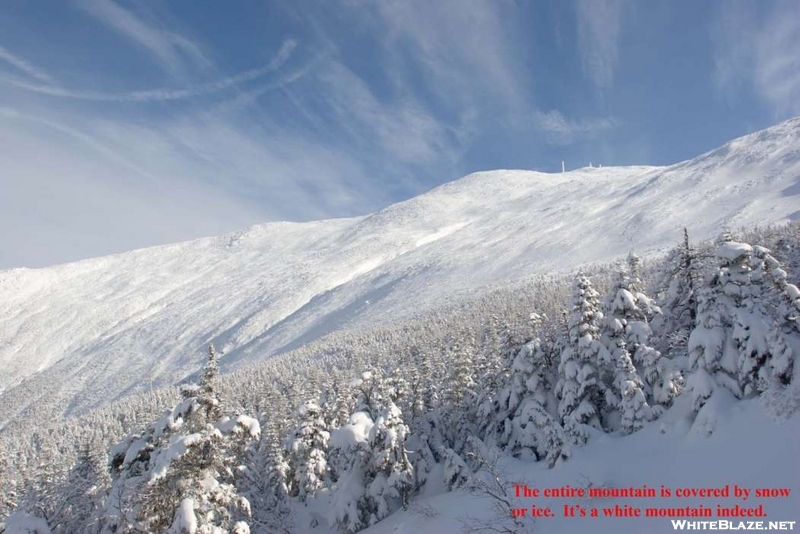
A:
{"points": [[562, 131], [439, 88], [71, 194], [25, 66], [760, 50], [404, 128], [150, 95], [170, 48], [777, 65], [599, 24], [283, 54], [733, 33], [251, 96], [109, 185], [459, 45], [88, 140], [288, 175]]}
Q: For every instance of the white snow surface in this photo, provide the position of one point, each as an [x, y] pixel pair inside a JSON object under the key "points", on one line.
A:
{"points": [[354, 433], [88, 332], [22, 523], [748, 448], [185, 520], [732, 251]]}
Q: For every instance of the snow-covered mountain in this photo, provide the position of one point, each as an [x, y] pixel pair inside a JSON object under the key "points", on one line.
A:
{"points": [[97, 329]]}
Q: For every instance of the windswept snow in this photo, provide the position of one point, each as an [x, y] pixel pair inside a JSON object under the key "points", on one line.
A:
{"points": [[91, 331]]}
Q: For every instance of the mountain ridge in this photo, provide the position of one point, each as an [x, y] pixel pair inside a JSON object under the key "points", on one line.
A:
{"points": [[140, 317]]}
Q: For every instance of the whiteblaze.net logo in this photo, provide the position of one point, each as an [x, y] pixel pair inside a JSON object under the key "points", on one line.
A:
{"points": [[722, 524]]}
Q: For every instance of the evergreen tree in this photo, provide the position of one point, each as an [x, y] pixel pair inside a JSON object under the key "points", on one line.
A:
{"points": [[370, 395], [785, 299], [492, 373], [581, 393], [661, 375], [459, 399], [391, 471], [350, 509], [617, 371], [635, 365], [529, 425], [180, 472], [713, 352], [195, 478], [207, 396], [456, 472], [307, 451], [430, 441], [749, 293], [495, 412], [87, 482], [535, 429], [745, 295], [375, 473], [678, 303]]}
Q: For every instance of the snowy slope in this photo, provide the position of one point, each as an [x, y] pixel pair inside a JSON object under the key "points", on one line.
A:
{"points": [[91, 331], [669, 452]]}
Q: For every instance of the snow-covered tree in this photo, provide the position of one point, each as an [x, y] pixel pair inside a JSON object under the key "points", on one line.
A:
{"points": [[88, 483], [180, 472], [391, 471], [462, 384], [456, 472], [350, 509], [207, 394], [521, 411], [582, 395], [370, 395], [488, 356], [636, 310], [270, 472], [678, 303], [307, 452], [746, 297], [784, 333], [460, 396], [617, 370], [535, 429], [713, 352], [495, 412], [753, 289], [428, 391], [375, 474], [634, 364], [396, 389], [195, 479], [491, 368]]}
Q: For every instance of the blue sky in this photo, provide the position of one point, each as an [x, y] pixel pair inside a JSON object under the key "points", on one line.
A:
{"points": [[126, 124]]}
